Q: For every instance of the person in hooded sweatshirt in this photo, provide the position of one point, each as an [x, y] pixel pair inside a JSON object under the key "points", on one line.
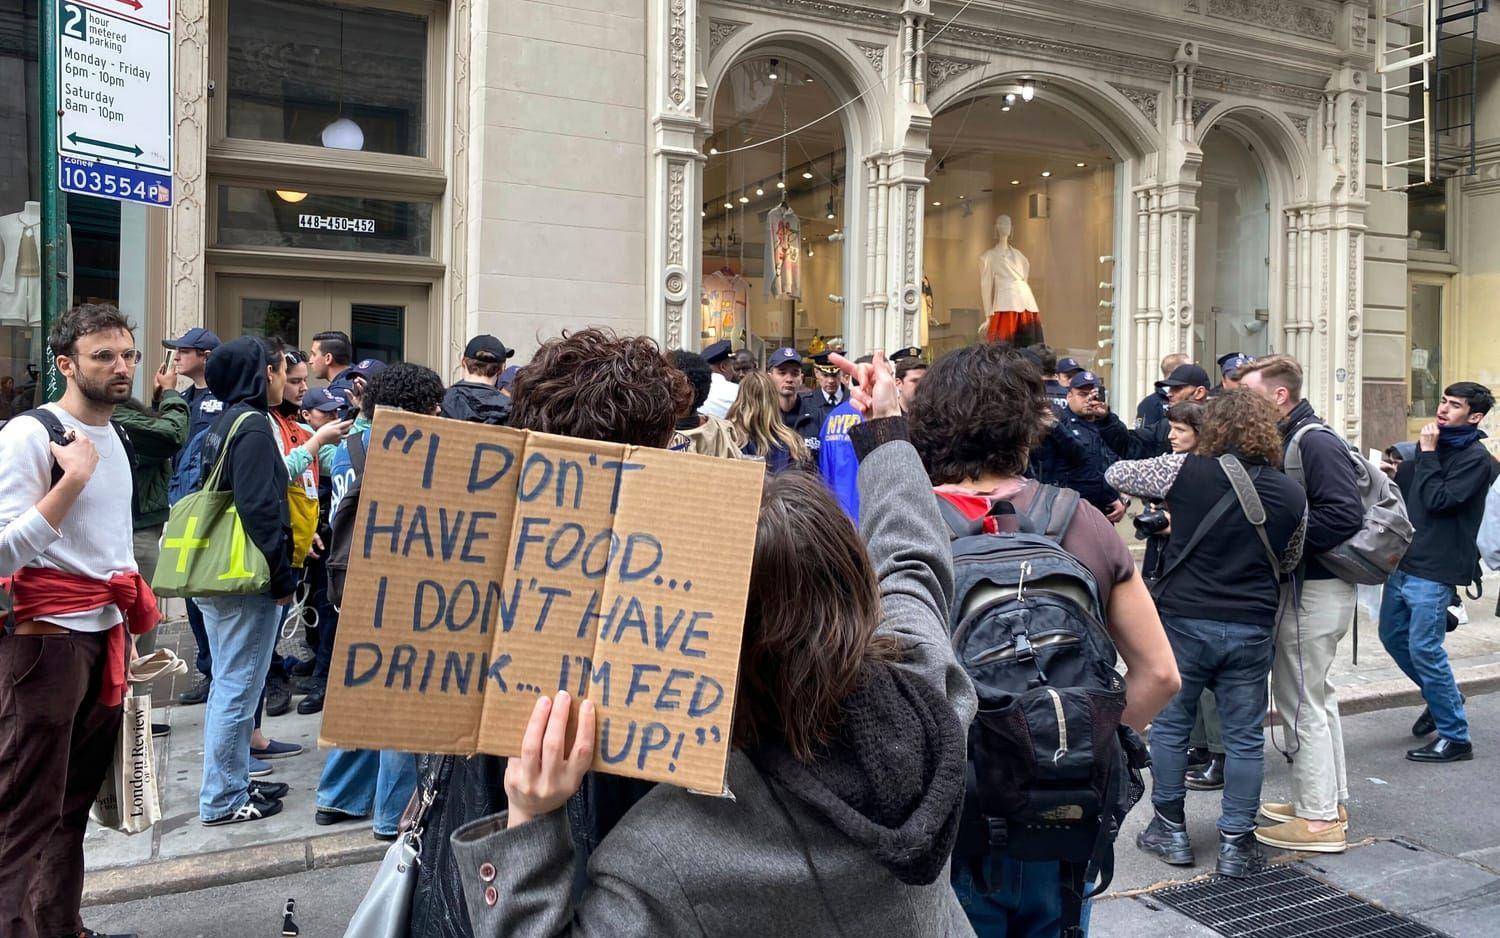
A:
{"points": [[242, 629], [476, 398], [847, 758]]}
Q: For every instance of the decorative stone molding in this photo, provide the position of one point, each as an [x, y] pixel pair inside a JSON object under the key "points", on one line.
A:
{"points": [[1229, 83], [1354, 328], [912, 193], [677, 40], [1356, 131], [875, 53], [1146, 100], [190, 138], [458, 184], [1300, 121], [1286, 16], [941, 68], [995, 40], [676, 196], [1193, 6], [1201, 107], [719, 32], [826, 10]]}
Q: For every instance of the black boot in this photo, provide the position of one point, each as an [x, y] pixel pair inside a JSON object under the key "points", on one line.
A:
{"points": [[278, 695], [1239, 855], [1198, 755], [1167, 839], [1426, 725], [1209, 777]]}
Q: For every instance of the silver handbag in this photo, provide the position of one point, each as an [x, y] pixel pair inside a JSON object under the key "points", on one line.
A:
{"points": [[385, 911]]}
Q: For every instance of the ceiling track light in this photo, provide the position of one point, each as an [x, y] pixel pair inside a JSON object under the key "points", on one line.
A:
{"points": [[774, 63]]}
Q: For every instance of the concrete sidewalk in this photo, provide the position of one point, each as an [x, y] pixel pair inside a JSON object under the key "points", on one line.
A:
{"points": [[181, 854]]}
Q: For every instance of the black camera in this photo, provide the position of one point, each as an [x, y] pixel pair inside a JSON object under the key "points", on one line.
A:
{"points": [[1151, 523]]}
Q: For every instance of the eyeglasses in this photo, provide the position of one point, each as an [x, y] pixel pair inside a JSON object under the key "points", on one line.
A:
{"points": [[108, 356]]}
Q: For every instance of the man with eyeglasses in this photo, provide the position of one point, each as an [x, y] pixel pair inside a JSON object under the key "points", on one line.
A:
{"points": [[65, 544]]}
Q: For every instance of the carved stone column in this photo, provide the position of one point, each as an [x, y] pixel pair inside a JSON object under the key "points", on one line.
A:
{"points": [[674, 279], [189, 213]]}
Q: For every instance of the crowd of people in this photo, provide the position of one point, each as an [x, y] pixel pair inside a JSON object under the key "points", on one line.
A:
{"points": [[863, 767]]}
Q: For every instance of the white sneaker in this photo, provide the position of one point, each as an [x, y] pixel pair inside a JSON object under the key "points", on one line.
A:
{"points": [[252, 810]]}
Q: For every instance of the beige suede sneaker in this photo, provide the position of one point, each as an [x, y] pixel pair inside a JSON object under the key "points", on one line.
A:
{"points": [[1295, 835], [1282, 813]]}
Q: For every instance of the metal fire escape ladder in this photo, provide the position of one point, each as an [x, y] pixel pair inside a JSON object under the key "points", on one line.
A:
{"points": [[1455, 94], [1405, 52]]}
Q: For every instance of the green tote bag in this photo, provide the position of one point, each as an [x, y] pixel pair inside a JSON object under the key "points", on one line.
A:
{"points": [[205, 551]]}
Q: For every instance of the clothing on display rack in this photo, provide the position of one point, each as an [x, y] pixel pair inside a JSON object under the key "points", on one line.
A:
{"points": [[1020, 328], [21, 266], [783, 254], [726, 298]]}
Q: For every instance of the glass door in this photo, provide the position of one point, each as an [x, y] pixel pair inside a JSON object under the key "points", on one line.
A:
{"points": [[1427, 312], [384, 321]]}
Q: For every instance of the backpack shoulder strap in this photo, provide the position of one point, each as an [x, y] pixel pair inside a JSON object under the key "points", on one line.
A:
{"points": [[1255, 510], [356, 444], [1052, 511], [125, 442], [56, 433]]}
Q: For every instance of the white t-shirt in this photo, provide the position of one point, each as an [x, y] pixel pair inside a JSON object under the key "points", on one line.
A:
{"points": [[95, 539], [721, 395]]}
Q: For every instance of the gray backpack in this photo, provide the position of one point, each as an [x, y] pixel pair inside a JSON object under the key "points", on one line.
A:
{"points": [[1376, 549]]}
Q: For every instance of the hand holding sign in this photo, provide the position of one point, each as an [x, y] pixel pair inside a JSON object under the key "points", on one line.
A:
{"points": [[543, 777]]}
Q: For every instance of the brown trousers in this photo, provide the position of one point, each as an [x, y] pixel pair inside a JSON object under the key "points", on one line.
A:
{"points": [[56, 743]]}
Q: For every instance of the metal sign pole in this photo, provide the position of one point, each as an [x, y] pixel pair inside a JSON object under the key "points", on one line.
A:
{"points": [[54, 207]]}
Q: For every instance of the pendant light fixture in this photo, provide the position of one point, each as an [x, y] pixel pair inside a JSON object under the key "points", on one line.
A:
{"points": [[342, 133]]}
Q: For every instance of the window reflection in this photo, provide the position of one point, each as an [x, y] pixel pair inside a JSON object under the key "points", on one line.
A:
{"points": [[345, 78]]}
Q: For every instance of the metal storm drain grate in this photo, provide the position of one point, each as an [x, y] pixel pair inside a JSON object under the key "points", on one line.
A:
{"points": [[1283, 902]]}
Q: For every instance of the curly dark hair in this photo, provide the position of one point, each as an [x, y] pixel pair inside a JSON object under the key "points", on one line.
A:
{"points": [[403, 386], [85, 319], [699, 374], [596, 385], [1243, 423], [981, 411]]}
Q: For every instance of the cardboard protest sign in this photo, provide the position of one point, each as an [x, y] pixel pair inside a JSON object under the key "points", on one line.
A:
{"points": [[491, 565]]}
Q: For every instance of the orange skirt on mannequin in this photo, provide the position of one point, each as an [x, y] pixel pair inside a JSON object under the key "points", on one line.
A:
{"points": [[1020, 329]]}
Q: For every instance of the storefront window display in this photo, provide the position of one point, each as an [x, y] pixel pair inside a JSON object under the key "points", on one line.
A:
{"points": [[20, 210], [1021, 209], [1234, 251], [773, 215]]}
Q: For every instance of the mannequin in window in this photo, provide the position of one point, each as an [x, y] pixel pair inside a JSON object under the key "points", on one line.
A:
{"points": [[21, 267], [1014, 316]]}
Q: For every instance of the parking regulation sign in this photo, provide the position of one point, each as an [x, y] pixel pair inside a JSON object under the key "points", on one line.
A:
{"points": [[114, 130]]}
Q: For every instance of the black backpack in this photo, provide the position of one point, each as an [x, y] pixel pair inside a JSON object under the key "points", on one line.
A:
{"points": [[341, 540], [1052, 772]]}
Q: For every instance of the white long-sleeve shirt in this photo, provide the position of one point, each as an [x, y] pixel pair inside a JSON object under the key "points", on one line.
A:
{"points": [[721, 396], [95, 538]]}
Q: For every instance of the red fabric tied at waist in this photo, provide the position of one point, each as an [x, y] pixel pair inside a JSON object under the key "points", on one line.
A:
{"points": [[42, 591]]}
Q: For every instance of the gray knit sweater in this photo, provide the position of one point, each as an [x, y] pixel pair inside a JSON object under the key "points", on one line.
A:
{"points": [[763, 863]]}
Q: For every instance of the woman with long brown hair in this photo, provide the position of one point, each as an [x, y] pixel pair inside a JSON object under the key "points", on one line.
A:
{"points": [[756, 416], [1218, 594], [847, 766]]}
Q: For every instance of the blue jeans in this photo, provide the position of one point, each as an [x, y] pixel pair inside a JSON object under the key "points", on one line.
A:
{"points": [[205, 659], [1413, 624], [242, 636], [1232, 659], [359, 781], [1024, 901]]}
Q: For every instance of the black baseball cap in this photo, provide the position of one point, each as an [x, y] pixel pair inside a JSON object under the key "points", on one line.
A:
{"points": [[716, 352], [1085, 379], [1066, 366], [783, 356], [1234, 361], [197, 338], [320, 399], [367, 368], [1185, 376], [487, 348]]}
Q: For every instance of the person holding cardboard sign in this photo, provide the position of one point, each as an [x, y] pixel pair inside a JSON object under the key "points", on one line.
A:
{"points": [[849, 735]]}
